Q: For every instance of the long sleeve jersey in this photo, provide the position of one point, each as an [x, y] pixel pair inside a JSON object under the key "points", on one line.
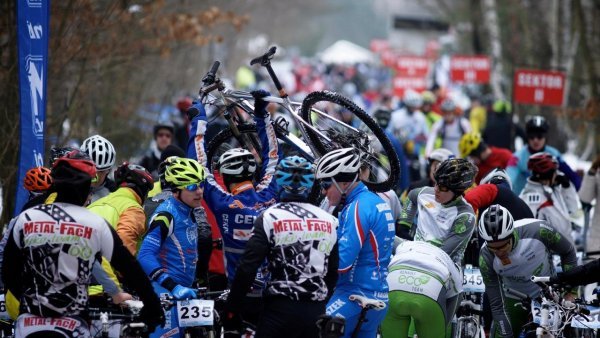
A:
{"points": [[534, 243], [235, 212], [447, 226], [366, 236], [171, 244], [50, 254], [299, 242]]}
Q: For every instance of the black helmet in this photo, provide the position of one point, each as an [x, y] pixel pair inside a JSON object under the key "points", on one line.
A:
{"points": [[537, 125], [456, 174], [135, 177], [58, 152], [383, 117]]}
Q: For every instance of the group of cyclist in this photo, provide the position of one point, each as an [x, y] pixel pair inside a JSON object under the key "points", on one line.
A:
{"points": [[287, 260]]}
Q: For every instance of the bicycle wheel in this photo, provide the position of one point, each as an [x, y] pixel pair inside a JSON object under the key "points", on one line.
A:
{"points": [[324, 111]]}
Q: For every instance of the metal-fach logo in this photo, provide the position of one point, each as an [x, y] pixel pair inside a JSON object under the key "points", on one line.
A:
{"points": [[35, 70], [34, 3]]}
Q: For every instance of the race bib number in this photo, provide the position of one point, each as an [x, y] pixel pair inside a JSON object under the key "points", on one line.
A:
{"points": [[195, 312], [536, 312], [472, 280], [3, 312], [591, 321]]}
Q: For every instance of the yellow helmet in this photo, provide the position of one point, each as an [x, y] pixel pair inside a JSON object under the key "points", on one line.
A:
{"points": [[469, 142], [181, 172]]}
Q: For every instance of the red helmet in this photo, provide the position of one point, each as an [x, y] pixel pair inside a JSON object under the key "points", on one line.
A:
{"points": [[542, 163], [135, 177], [37, 179], [184, 104], [77, 160]]}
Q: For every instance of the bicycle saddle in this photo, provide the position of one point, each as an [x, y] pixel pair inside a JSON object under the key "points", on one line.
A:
{"points": [[367, 303]]}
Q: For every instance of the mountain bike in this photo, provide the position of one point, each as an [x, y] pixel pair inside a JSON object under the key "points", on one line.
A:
{"points": [[469, 313], [318, 119], [334, 327], [198, 317], [118, 321], [551, 315]]}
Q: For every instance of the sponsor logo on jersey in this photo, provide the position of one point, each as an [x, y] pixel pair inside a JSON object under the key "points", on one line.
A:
{"points": [[74, 229], [242, 234], [312, 225], [39, 227], [65, 323]]}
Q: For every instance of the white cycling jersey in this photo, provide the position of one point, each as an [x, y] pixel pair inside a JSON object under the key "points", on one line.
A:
{"points": [[420, 267], [555, 204]]}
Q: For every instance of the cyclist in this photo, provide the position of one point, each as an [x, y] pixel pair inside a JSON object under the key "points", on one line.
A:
{"points": [[170, 150], [169, 250], [486, 158], [433, 161], [443, 217], [236, 206], [37, 181], [50, 253], [512, 253], [365, 238], [536, 129], [164, 132], [431, 116], [123, 208], [382, 116], [549, 194], [299, 241], [449, 129], [409, 126], [424, 286], [102, 152]]}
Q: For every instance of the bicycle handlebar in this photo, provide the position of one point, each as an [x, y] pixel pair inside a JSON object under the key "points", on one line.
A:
{"points": [[544, 279]]}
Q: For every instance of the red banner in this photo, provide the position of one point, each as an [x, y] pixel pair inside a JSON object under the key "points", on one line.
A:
{"points": [[470, 69], [412, 66], [403, 83], [539, 87]]}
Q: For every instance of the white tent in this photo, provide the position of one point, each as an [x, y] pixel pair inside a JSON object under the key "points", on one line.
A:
{"points": [[346, 52]]}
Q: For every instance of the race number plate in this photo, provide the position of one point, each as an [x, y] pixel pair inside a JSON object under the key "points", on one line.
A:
{"points": [[591, 321], [3, 312], [536, 312], [472, 280], [195, 312]]}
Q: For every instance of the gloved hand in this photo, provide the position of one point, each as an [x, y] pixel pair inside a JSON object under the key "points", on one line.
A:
{"points": [[595, 165], [181, 292], [152, 314], [260, 106], [562, 180], [197, 109]]}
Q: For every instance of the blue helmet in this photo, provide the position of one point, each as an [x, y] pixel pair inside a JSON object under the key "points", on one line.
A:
{"points": [[295, 177]]}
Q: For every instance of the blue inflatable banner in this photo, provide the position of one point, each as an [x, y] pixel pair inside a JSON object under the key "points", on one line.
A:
{"points": [[32, 22]]}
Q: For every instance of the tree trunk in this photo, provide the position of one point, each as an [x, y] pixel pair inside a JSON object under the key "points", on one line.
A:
{"points": [[491, 22]]}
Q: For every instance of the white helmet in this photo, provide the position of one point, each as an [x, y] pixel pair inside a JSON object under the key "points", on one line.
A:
{"points": [[237, 161], [412, 99], [339, 161], [440, 155], [100, 150], [495, 224], [497, 176]]}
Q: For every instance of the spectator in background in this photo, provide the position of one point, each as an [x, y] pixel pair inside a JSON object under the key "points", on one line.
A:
{"points": [[431, 116], [477, 115], [382, 116], [484, 157], [446, 133], [536, 129], [102, 152], [500, 130], [590, 191], [182, 129], [163, 137]]}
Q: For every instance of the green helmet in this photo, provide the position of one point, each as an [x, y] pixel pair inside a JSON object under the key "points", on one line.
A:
{"points": [[181, 172]]}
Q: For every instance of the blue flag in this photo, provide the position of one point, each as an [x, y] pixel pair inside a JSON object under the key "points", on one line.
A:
{"points": [[33, 30]]}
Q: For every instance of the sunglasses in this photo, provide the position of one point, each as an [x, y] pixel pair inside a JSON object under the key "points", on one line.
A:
{"points": [[193, 187], [95, 179], [325, 184], [441, 188], [500, 248]]}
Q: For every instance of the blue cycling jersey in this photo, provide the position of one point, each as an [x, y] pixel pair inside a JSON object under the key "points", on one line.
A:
{"points": [[235, 212], [366, 236], [171, 244]]}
